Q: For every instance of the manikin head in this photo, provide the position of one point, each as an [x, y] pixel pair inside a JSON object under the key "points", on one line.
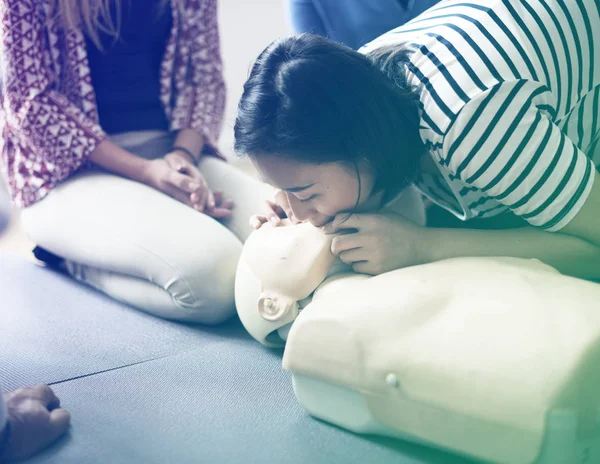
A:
{"points": [[279, 268], [327, 125]]}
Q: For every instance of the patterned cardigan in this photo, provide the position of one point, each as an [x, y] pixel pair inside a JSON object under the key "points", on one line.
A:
{"points": [[49, 120]]}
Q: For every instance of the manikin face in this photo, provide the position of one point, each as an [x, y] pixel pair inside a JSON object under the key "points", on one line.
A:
{"points": [[278, 269], [317, 192]]}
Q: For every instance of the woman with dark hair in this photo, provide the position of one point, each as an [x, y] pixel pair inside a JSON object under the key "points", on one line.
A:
{"points": [[490, 109]]}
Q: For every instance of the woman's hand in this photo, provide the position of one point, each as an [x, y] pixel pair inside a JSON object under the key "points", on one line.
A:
{"points": [[377, 243], [160, 175], [203, 200], [176, 176], [275, 210]]}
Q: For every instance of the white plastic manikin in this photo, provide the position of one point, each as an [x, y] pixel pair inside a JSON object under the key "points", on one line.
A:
{"points": [[494, 358]]}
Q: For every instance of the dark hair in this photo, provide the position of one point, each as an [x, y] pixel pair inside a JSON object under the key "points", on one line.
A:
{"points": [[317, 101]]}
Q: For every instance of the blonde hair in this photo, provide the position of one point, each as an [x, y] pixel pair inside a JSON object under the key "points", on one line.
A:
{"points": [[93, 16]]}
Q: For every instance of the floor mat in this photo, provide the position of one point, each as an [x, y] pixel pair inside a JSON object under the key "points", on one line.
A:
{"points": [[222, 403], [53, 329]]}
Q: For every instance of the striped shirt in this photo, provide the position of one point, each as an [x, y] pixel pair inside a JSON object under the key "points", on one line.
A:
{"points": [[509, 104]]}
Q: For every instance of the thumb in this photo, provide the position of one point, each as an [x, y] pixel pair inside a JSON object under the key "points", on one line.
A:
{"points": [[60, 419]]}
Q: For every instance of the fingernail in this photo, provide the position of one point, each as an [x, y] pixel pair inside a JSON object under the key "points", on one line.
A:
{"points": [[274, 221], [194, 186]]}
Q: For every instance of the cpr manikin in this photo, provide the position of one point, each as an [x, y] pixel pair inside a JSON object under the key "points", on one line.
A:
{"points": [[280, 267], [494, 358]]}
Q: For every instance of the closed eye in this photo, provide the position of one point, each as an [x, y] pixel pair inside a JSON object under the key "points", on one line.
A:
{"points": [[308, 200]]}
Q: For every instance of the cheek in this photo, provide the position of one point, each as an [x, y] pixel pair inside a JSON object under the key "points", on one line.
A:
{"points": [[337, 201]]}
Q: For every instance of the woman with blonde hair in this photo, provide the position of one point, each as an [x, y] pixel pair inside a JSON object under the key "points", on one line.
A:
{"points": [[111, 111]]}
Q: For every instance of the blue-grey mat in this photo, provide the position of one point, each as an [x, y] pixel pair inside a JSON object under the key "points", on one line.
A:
{"points": [[222, 403], [53, 329]]}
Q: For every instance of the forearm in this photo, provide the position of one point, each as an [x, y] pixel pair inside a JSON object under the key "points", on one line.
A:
{"points": [[569, 255], [119, 161], [190, 140]]}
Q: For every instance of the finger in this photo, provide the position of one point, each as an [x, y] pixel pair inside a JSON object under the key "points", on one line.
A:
{"points": [[45, 394], [198, 199], [191, 170], [352, 256], [179, 164], [183, 182], [178, 195], [173, 164], [283, 203], [273, 218], [287, 211], [205, 194], [210, 199], [195, 173], [60, 419], [343, 243], [275, 208], [344, 221], [280, 208], [221, 202], [219, 213], [183, 167], [228, 204], [218, 196], [200, 203], [363, 267], [274, 213], [257, 221]]}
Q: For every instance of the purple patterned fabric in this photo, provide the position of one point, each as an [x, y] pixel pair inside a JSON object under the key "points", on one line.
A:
{"points": [[49, 121]]}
